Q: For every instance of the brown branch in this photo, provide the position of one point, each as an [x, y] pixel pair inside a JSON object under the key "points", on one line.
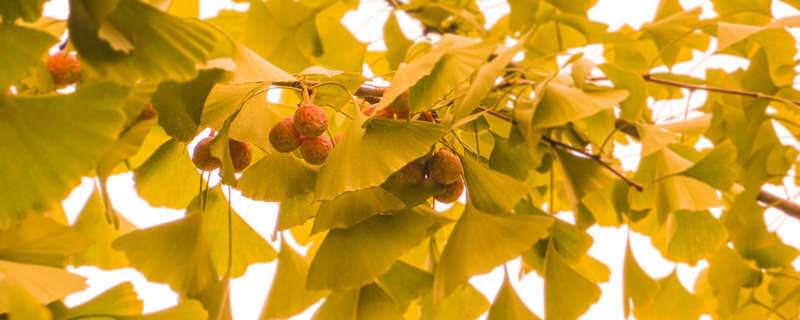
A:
{"points": [[597, 159]]}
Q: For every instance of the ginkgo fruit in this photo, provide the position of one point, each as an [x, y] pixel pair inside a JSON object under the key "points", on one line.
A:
{"points": [[202, 158], [64, 68], [283, 136], [316, 149], [444, 167], [368, 111], [400, 104], [147, 113], [310, 120], [412, 173], [240, 154], [451, 192]]}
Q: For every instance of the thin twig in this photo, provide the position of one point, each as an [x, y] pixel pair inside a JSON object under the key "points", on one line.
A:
{"points": [[597, 159]]}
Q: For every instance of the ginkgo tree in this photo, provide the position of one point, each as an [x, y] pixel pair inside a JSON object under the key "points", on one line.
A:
{"points": [[509, 116]]}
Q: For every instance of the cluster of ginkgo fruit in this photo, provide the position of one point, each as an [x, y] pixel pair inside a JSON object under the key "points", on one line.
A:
{"points": [[305, 130], [443, 167]]}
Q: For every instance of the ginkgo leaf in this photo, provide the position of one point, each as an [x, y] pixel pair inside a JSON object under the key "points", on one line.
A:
{"points": [[73, 130], [749, 234], [352, 207], [561, 104], [475, 245], [24, 306], [633, 105], [405, 283], [653, 138], [216, 299], [168, 178], [729, 275], [23, 48], [570, 242], [118, 301], [396, 42], [179, 104], [288, 294], [452, 69], [374, 303], [716, 168], [567, 293], [28, 10], [45, 284], [489, 190], [674, 192], [363, 159], [508, 306], [582, 176], [248, 246], [40, 240], [288, 176], [339, 305], [672, 301], [340, 48], [637, 287], [465, 302], [282, 32], [252, 68], [692, 236], [173, 253], [295, 211], [188, 309], [135, 42], [353, 257], [730, 33], [91, 222], [409, 74]]}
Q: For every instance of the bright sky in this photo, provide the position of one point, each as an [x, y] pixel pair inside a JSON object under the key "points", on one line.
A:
{"points": [[249, 292]]}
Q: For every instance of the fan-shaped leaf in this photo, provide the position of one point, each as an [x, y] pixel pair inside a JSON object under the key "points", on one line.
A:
{"points": [[353, 257], [480, 242], [168, 178], [672, 301], [118, 301], [24, 306], [22, 49], [638, 288], [58, 139], [288, 294], [561, 104], [91, 222], [288, 177], [352, 207], [508, 306], [40, 240], [489, 190], [45, 284], [567, 293], [366, 157]]}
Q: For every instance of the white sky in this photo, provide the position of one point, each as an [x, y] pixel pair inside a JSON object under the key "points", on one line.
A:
{"points": [[249, 292]]}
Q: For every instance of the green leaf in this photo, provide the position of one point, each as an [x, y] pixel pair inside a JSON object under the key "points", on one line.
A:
{"points": [[508, 306], [282, 32], [58, 139], [353, 207], [567, 293], [405, 283], [672, 301], [288, 295], [693, 235], [636, 101], [638, 288], [340, 49], [40, 240], [409, 74], [180, 104], [248, 246], [717, 168], [396, 42], [450, 72], [362, 160], [350, 258], [295, 211], [750, 236], [489, 190], [22, 50], [339, 305], [249, 67], [653, 138], [134, 42], [288, 176], [168, 178], [173, 253], [582, 176], [121, 300], [45, 284], [24, 306], [479, 242], [561, 104], [28, 10]]}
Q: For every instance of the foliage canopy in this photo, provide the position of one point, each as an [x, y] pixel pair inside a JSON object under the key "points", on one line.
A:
{"points": [[532, 122]]}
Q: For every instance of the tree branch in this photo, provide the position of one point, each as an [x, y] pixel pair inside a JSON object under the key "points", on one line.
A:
{"points": [[597, 159], [373, 94]]}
